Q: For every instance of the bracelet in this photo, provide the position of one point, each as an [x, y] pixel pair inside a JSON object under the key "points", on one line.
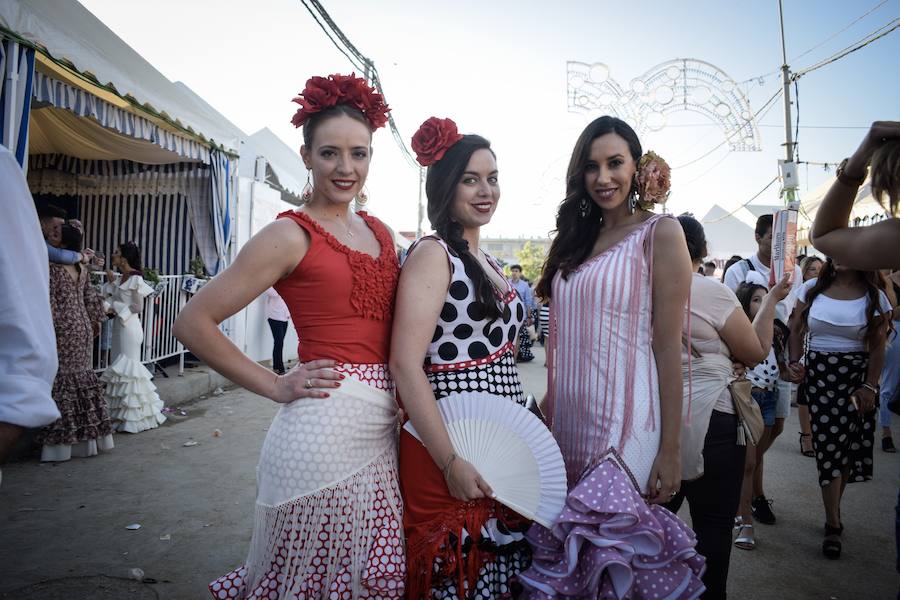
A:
{"points": [[446, 468], [871, 388], [848, 180]]}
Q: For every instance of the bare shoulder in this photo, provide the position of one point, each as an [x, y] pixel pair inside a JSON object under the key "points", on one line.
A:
{"points": [[668, 235], [427, 253], [282, 243]]}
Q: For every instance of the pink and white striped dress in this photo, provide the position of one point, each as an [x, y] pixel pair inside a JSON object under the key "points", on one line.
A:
{"points": [[604, 406]]}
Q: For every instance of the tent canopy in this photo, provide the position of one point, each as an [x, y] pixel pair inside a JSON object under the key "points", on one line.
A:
{"points": [[73, 36]]}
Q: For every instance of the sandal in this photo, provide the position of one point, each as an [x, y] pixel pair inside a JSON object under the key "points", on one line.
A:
{"points": [[806, 449], [831, 547], [745, 539]]}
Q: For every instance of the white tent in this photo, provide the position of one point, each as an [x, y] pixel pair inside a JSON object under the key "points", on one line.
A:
{"points": [[866, 210]]}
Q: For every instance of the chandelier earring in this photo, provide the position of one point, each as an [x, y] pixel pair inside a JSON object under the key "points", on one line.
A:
{"points": [[633, 196], [585, 208], [307, 193]]}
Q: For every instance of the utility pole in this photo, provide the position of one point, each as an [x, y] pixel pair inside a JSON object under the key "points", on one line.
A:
{"points": [[788, 167], [421, 206]]}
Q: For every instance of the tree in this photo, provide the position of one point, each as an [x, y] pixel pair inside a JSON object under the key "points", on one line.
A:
{"points": [[531, 257]]}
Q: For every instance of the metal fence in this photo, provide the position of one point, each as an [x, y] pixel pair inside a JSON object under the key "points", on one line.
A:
{"points": [[157, 318]]}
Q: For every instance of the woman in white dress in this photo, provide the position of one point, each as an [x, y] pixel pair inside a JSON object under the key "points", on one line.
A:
{"points": [[134, 404]]}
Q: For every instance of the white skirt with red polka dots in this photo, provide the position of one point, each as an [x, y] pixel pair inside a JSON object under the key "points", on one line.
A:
{"points": [[328, 512]]}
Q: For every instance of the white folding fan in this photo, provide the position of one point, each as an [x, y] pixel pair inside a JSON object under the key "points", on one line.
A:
{"points": [[512, 449]]}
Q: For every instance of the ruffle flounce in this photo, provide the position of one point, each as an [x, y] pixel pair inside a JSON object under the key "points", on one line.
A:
{"points": [[134, 404], [83, 410], [610, 543]]}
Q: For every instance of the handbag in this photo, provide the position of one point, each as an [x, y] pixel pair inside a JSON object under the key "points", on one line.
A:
{"points": [[750, 420]]}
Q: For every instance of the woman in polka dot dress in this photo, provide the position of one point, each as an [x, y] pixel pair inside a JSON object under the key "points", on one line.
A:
{"points": [[457, 314], [617, 277], [328, 518], [847, 317]]}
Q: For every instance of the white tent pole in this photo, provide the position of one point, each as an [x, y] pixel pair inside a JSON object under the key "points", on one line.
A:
{"points": [[10, 132]]}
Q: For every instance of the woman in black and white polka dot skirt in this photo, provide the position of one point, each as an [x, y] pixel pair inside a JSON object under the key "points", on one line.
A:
{"points": [[847, 317], [458, 315]]}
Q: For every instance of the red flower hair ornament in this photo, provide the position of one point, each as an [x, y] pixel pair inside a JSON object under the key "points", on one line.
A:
{"points": [[433, 139], [322, 93]]}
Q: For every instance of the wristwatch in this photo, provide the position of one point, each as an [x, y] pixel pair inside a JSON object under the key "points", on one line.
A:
{"points": [[847, 179]]}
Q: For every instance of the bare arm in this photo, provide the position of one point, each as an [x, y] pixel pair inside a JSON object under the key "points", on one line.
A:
{"points": [[270, 255], [750, 343], [868, 398], [420, 296], [670, 287], [865, 248]]}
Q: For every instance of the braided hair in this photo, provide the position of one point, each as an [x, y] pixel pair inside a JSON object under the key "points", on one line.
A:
{"points": [[440, 188]]}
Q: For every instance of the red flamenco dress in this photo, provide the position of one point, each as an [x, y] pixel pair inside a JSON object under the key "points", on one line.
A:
{"points": [[328, 510]]}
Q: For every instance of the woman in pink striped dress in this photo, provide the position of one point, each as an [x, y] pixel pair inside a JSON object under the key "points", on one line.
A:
{"points": [[617, 278]]}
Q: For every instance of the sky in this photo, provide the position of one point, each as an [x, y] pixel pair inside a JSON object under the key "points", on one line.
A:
{"points": [[499, 69]]}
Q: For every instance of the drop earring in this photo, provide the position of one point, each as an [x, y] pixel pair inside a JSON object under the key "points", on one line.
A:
{"points": [[307, 193], [362, 197], [585, 208]]}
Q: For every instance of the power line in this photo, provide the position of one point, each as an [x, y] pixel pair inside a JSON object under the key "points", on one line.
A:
{"points": [[820, 44], [862, 43], [359, 61], [755, 196]]}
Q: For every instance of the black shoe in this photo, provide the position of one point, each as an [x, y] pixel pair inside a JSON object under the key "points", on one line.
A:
{"points": [[762, 510], [831, 546], [887, 444]]}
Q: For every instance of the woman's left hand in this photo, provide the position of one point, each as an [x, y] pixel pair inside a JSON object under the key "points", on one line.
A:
{"points": [[665, 477], [865, 400]]}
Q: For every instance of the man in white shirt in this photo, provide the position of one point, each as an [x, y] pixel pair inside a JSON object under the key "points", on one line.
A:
{"points": [[27, 339], [734, 276]]}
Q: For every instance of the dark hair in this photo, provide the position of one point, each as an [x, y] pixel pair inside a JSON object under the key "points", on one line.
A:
{"points": [[709, 263], [694, 236], [313, 122], [516, 266], [131, 253], [763, 224], [71, 238], [440, 187], [575, 235], [51, 211], [870, 279], [744, 293], [734, 259], [886, 174], [806, 262]]}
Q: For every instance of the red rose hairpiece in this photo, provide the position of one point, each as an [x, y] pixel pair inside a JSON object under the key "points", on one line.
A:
{"points": [[433, 139], [322, 93]]}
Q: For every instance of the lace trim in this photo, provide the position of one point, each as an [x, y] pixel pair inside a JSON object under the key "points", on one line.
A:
{"points": [[374, 279]]}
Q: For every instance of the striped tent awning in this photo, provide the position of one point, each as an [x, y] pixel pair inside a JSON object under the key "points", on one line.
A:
{"points": [[62, 95]]}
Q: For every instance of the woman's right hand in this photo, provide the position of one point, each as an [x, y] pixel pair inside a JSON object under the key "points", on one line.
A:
{"points": [[306, 380], [465, 483], [879, 132], [781, 289], [796, 372]]}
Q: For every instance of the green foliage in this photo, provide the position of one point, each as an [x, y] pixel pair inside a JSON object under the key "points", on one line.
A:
{"points": [[531, 257], [196, 267], [151, 276]]}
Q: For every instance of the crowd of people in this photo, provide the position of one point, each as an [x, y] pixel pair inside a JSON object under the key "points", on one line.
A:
{"points": [[665, 384]]}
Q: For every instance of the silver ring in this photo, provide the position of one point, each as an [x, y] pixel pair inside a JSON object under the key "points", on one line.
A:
{"points": [[673, 494], [308, 385]]}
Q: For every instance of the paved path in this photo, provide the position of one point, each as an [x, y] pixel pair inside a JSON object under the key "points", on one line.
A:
{"points": [[63, 526]]}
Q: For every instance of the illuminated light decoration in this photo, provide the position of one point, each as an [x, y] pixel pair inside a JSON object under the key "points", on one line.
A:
{"points": [[683, 84]]}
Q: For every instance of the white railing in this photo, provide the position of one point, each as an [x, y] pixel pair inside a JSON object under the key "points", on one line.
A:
{"points": [[157, 318]]}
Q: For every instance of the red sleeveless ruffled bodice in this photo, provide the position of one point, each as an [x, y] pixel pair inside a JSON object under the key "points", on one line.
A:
{"points": [[342, 301]]}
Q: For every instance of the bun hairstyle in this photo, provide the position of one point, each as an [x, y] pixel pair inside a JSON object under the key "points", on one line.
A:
{"points": [[440, 188], [131, 253], [325, 97], [71, 238], [694, 236]]}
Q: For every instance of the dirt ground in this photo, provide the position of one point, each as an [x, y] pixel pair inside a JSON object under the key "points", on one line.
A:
{"points": [[64, 528]]}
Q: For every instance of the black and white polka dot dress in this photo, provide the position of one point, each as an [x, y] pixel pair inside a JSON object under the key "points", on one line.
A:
{"points": [[471, 353]]}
